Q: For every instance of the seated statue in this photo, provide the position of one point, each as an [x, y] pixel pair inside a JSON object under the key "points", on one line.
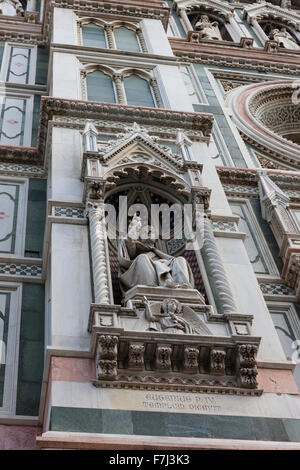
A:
{"points": [[284, 39], [11, 8], [141, 263], [207, 29]]}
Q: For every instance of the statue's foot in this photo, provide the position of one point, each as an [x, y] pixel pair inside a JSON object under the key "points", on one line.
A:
{"points": [[170, 284]]}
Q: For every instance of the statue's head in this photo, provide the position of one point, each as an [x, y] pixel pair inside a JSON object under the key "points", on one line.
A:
{"points": [[204, 19], [148, 232], [171, 306]]}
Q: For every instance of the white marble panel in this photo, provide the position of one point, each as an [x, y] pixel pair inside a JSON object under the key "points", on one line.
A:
{"points": [[85, 395], [70, 286], [66, 165]]}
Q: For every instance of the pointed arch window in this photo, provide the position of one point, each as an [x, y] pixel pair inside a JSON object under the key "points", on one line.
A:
{"points": [[138, 91], [126, 39], [100, 87], [93, 35]]}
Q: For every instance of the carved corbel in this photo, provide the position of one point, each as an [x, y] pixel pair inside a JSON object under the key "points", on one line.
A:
{"points": [[136, 356], [190, 361], [163, 358], [246, 43], [106, 359], [246, 365], [271, 46], [217, 361]]}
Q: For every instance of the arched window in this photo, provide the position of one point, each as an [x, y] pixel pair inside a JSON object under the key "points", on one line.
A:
{"points": [[126, 39], [93, 35], [100, 87], [138, 91]]}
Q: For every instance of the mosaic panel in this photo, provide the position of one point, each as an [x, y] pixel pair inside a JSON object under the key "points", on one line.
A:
{"points": [[114, 269], [240, 189], [276, 289], [70, 212], [191, 258], [223, 226], [20, 270]]}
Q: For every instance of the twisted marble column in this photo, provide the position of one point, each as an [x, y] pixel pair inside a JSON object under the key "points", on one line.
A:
{"points": [[96, 216], [217, 269]]}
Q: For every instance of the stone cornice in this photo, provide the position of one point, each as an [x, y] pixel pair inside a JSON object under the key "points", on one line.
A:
{"points": [[245, 178], [31, 31], [200, 123], [231, 56], [132, 9], [124, 113]]}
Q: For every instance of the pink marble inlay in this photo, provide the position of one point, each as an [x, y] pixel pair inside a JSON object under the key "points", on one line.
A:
{"points": [[72, 369], [18, 437], [277, 381]]}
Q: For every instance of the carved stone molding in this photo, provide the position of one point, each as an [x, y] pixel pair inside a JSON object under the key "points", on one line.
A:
{"points": [[192, 364]]}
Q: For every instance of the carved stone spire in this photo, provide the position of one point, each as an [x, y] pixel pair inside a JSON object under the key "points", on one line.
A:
{"points": [[270, 196]]}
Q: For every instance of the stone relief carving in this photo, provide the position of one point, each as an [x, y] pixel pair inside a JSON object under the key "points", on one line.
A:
{"points": [[107, 357], [284, 39], [217, 361], [163, 357], [141, 263], [247, 365], [11, 8], [136, 356], [207, 29], [190, 363], [173, 317]]}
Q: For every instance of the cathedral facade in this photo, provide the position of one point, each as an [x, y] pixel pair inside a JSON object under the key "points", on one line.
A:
{"points": [[150, 224]]}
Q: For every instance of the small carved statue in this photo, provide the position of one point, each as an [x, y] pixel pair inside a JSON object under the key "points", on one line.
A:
{"points": [[11, 8], [207, 29], [172, 317], [141, 263], [284, 39]]}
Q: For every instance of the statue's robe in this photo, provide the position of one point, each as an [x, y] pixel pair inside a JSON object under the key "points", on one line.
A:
{"points": [[149, 269]]}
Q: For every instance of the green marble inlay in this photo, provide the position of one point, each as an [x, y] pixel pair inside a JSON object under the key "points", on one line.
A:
{"points": [[4, 323], [174, 424], [31, 351]]}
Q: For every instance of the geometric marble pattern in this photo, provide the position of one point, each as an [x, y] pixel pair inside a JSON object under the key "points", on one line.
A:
{"points": [[70, 212], [222, 226], [240, 189], [20, 270], [276, 289], [191, 258]]}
